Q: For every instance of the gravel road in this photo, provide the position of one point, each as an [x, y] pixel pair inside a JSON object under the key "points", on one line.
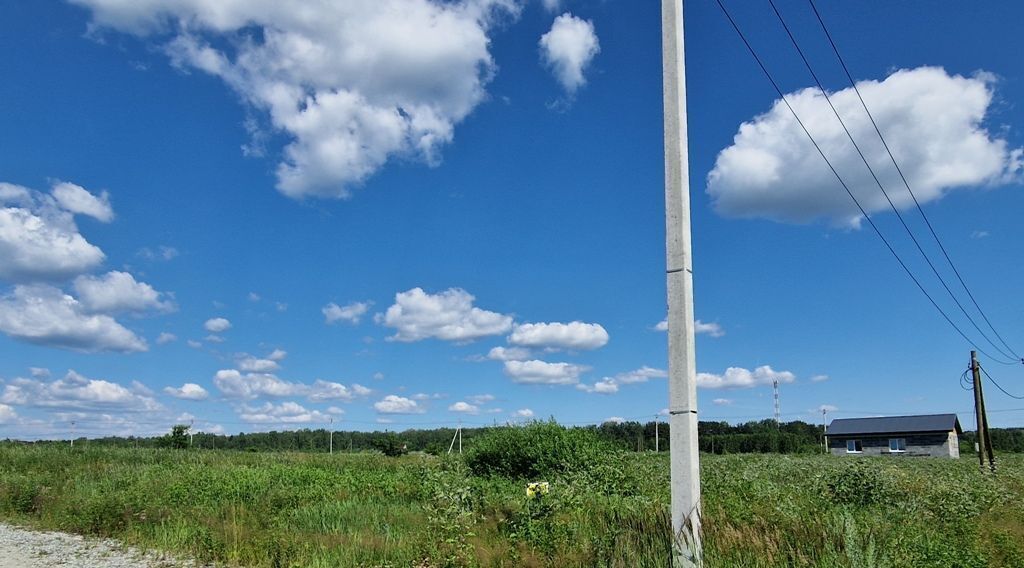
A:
{"points": [[23, 548]]}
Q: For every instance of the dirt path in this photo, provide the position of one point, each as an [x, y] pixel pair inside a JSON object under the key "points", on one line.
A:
{"points": [[23, 548]]}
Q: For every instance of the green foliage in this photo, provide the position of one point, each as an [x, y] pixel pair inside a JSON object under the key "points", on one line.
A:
{"points": [[178, 438], [390, 445], [860, 482], [536, 449], [609, 509]]}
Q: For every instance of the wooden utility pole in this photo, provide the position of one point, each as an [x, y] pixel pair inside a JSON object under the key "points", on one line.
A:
{"points": [[682, 369], [984, 440], [331, 451]]}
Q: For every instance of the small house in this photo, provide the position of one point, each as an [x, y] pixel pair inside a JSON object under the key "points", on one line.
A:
{"points": [[934, 435]]}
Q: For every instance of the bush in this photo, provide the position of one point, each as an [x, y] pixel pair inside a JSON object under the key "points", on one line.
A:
{"points": [[390, 445], [862, 482], [536, 450]]}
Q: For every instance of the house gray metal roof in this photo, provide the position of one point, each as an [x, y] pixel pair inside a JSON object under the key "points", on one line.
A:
{"points": [[894, 425]]}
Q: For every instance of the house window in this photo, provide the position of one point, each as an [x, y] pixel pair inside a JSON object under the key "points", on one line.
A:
{"points": [[854, 447], [897, 444]]}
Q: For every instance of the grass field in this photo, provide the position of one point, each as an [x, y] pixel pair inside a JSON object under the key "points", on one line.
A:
{"points": [[295, 509]]}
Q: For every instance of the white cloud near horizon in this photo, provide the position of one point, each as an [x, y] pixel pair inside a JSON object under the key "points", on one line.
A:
{"points": [[39, 239], [574, 336], [464, 408], [188, 391], [568, 49], [45, 315], [448, 316], [351, 84], [932, 121], [740, 378], [75, 391]]}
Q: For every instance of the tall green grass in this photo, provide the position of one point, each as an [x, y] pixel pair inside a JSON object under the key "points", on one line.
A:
{"points": [[604, 509]]}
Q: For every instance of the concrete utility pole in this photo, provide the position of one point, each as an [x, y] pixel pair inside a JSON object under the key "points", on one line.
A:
{"points": [[682, 369], [824, 427], [191, 423], [72, 433], [778, 407], [984, 441], [332, 436], [656, 435]]}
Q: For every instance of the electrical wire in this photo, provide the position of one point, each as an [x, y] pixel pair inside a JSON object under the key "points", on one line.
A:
{"points": [[998, 385], [964, 383], [917, 203], [1011, 359], [849, 192]]}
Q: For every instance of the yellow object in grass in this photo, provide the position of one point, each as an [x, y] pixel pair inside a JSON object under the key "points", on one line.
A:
{"points": [[537, 488]]}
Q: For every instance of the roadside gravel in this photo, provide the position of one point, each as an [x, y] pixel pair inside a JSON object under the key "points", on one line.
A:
{"points": [[23, 548]]}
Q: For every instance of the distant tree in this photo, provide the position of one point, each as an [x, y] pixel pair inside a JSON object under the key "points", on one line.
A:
{"points": [[177, 438], [390, 445]]}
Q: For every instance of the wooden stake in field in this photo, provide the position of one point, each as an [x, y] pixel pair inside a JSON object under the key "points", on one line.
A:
{"points": [[682, 369]]}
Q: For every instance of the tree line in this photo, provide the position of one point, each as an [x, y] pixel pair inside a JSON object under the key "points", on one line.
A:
{"points": [[764, 436]]}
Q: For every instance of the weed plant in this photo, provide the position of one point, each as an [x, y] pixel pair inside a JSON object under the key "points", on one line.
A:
{"points": [[601, 507]]}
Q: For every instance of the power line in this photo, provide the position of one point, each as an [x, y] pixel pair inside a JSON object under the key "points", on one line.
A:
{"points": [[920, 209], [881, 187], [998, 386], [849, 192]]}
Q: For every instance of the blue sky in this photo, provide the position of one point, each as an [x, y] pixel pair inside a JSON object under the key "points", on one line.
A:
{"points": [[376, 195]]}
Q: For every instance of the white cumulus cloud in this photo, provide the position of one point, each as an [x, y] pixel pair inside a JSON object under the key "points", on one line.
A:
{"points": [[610, 385], [351, 313], [234, 384], [739, 378], [45, 315], [76, 199], [351, 84], [713, 329], [188, 391], [74, 391], [574, 335], [394, 404], [118, 291], [932, 121], [568, 48], [284, 413], [606, 385], [448, 315], [7, 414], [464, 408], [508, 354], [542, 372], [39, 239], [217, 325]]}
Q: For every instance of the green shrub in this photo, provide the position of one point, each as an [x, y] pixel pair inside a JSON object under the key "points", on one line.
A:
{"points": [[536, 450], [861, 482], [390, 445]]}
